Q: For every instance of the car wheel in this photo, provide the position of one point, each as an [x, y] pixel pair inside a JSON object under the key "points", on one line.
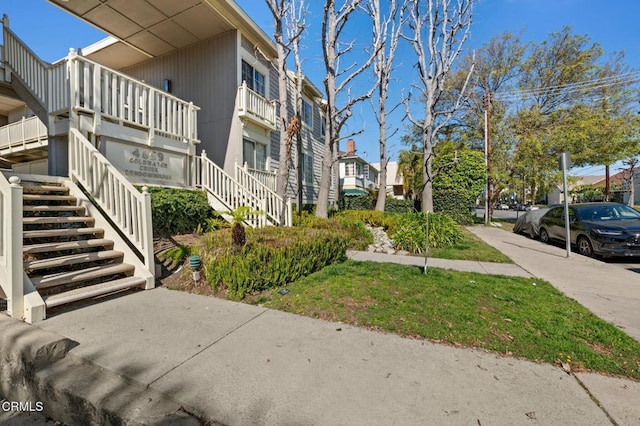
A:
{"points": [[584, 246], [544, 235]]}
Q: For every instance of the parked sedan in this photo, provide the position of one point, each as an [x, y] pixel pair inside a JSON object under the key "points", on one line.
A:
{"points": [[529, 223], [604, 229]]}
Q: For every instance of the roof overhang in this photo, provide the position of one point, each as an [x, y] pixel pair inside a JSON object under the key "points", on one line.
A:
{"points": [[144, 29]]}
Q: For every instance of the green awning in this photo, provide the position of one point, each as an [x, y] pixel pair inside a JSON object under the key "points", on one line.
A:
{"points": [[354, 192]]}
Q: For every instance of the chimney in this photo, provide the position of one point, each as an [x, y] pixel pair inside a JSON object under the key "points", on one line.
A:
{"points": [[351, 147]]}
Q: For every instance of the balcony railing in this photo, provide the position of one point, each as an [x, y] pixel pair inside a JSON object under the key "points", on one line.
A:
{"points": [[255, 107], [79, 84], [22, 135]]}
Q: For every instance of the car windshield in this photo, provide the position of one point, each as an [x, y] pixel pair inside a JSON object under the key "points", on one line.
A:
{"points": [[607, 212]]}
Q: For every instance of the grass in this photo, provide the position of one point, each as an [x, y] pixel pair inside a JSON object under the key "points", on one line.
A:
{"points": [[473, 248], [519, 317]]}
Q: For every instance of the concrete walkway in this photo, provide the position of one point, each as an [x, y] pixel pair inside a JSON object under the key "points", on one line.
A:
{"points": [[458, 265], [239, 364]]}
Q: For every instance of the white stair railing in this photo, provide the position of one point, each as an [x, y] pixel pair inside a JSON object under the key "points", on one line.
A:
{"points": [[268, 179], [11, 273], [274, 203], [129, 209], [228, 191]]}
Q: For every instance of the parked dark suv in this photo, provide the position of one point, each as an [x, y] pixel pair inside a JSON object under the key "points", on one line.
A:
{"points": [[604, 229]]}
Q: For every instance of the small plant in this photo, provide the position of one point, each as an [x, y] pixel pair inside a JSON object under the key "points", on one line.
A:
{"points": [[238, 233], [174, 256]]}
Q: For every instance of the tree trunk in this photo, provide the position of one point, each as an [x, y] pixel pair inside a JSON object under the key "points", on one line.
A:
{"points": [[285, 151]]}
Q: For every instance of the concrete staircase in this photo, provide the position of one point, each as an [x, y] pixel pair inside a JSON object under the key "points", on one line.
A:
{"points": [[66, 258]]}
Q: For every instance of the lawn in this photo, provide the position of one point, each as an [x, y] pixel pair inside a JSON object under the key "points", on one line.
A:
{"points": [[472, 248], [526, 318]]}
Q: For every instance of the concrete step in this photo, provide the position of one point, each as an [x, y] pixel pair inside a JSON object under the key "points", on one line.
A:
{"points": [[71, 232], [73, 259], [42, 220], [47, 197], [40, 189], [47, 208], [92, 291], [67, 245], [76, 277]]}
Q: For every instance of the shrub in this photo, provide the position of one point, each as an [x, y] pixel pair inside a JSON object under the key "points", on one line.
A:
{"points": [[410, 234], [388, 221], [178, 211], [394, 205], [352, 228], [261, 266], [457, 204], [357, 202]]}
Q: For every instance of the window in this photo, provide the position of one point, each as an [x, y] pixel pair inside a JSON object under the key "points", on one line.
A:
{"points": [[307, 169], [350, 169], [307, 113], [254, 154], [255, 81], [323, 126]]}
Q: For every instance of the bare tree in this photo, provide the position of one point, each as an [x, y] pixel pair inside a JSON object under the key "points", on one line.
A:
{"points": [[280, 9], [438, 31], [386, 33], [336, 82], [296, 20]]}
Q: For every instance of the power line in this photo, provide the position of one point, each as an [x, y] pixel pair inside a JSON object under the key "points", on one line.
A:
{"points": [[582, 86]]}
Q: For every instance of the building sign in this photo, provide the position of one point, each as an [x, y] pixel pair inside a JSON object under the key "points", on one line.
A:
{"points": [[142, 164]]}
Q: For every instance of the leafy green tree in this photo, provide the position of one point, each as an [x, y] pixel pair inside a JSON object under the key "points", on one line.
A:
{"points": [[410, 168]]}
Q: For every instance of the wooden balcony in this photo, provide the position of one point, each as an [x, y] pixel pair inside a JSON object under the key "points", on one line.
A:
{"points": [[256, 108]]}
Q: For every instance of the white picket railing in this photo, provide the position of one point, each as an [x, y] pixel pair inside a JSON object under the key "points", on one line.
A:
{"points": [[25, 64], [129, 209], [252, 104], [103, 91], [228, 191], [268, 179], [83, 85], [22, 133], [11, 273], [274, 203]]}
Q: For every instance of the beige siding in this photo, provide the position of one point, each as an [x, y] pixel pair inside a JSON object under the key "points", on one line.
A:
{"points": [[204, 73]]}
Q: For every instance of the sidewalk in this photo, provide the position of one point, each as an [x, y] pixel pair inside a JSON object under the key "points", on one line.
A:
{"points": [[239, 364], [459, 265]]}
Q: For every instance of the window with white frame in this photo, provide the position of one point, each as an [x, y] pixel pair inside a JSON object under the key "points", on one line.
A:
{"points": [[323, 126], [307, 113], [350, 169], [254, 154], [255, 80], [307, 168]]}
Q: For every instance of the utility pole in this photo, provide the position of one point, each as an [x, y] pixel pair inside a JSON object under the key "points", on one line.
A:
{"points": [[487, 153], [607, 187]]}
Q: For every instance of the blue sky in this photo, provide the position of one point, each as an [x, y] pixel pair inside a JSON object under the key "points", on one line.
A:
{"points": [[612, 23]]}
